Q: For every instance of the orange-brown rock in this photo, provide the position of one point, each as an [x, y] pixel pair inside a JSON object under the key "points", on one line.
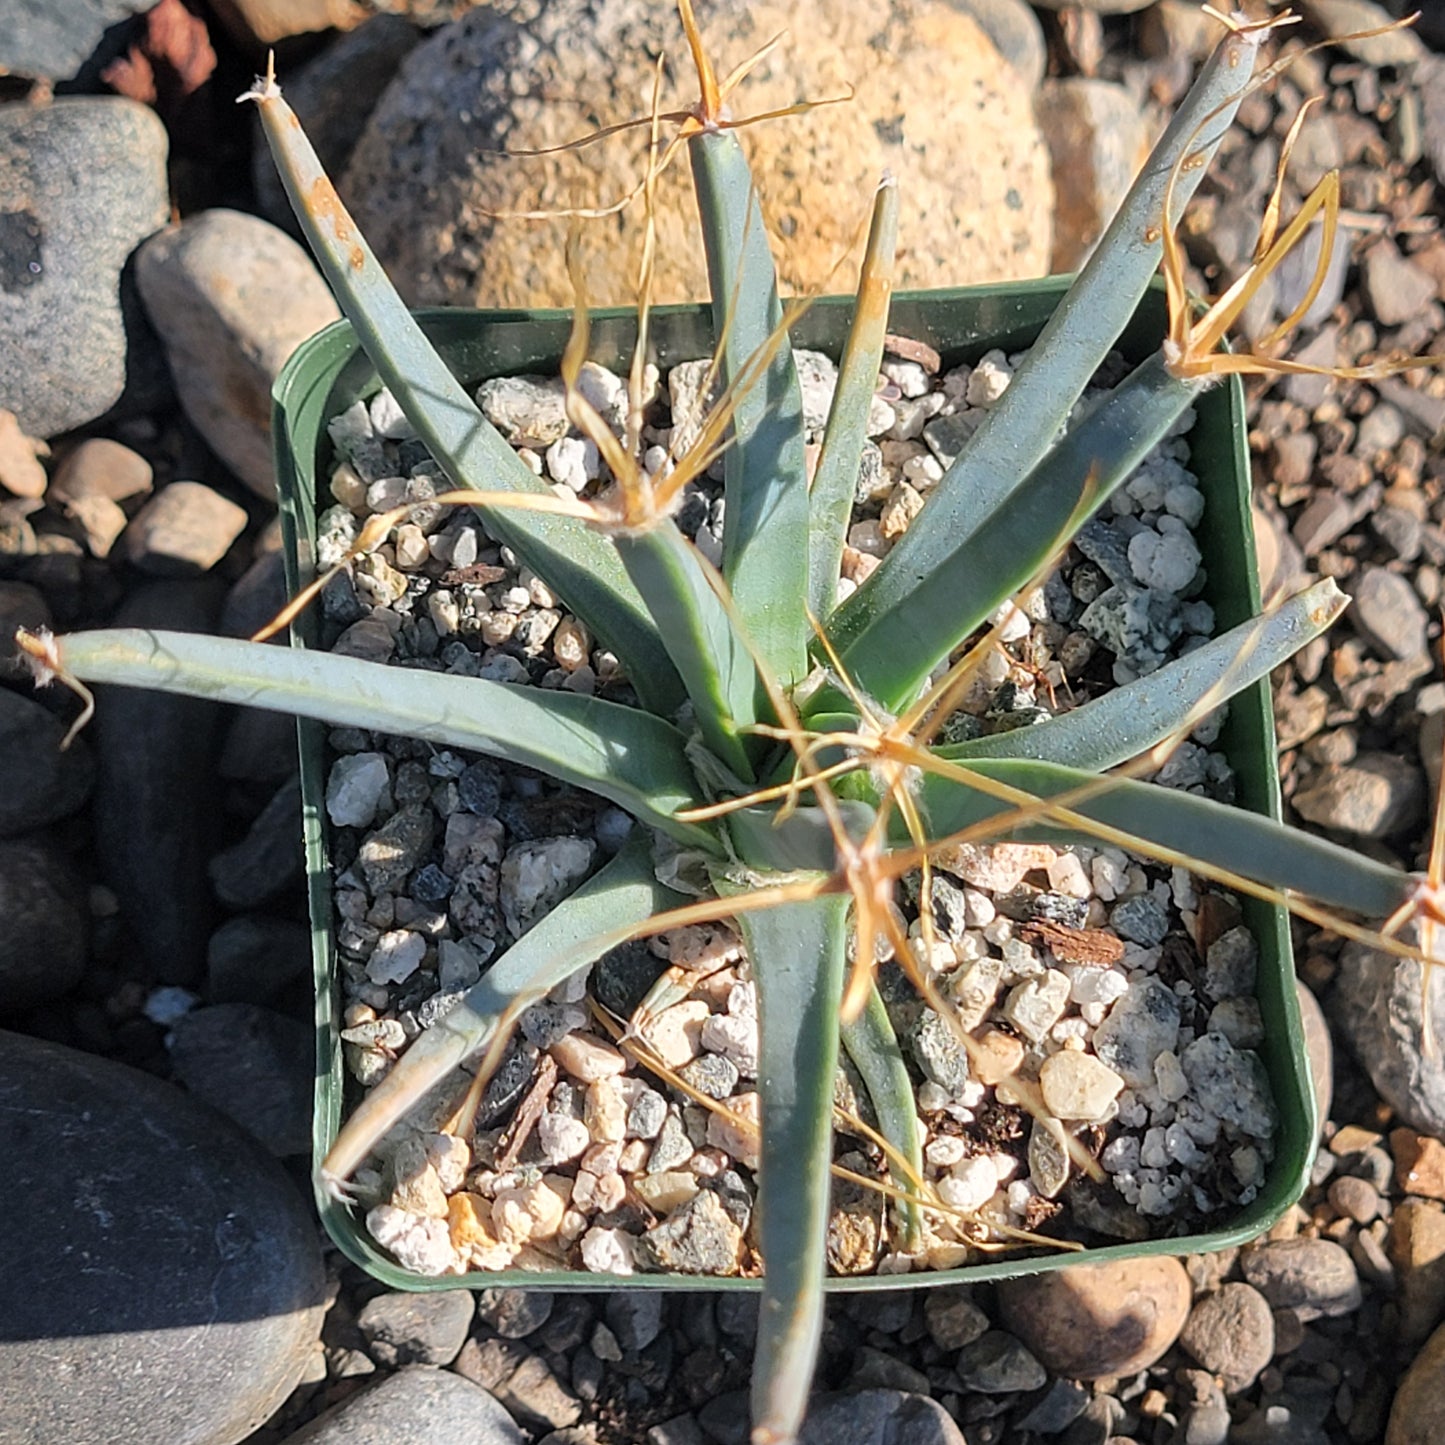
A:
{"points": [[1091, 1321], [1419, 1163], [1417, 1250], [1098, 140]]}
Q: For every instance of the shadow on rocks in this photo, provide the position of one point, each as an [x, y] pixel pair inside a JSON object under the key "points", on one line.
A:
{"points": [[154, 804]]}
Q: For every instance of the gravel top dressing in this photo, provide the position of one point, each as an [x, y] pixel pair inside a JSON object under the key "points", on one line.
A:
{"points": [[1121, 989]]}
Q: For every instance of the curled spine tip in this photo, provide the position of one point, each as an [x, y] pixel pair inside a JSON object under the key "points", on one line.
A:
{"points": [[41, 653], [887, 181], [336, 1188], [264, 87]]}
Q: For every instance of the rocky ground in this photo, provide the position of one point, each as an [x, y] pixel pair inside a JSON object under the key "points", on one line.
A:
{"points": [[156, 950]]}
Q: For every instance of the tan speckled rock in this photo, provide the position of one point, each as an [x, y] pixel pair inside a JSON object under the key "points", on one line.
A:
{"points": [[232, 297], [1101, 7], [258, 23], [933, 102], [1417, 1250], [1320, 1048], [1090, 1321], [184, 529], [1015, 31]]}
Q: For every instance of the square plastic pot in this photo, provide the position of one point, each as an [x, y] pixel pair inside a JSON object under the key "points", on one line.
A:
{"points": [[330, 372]]}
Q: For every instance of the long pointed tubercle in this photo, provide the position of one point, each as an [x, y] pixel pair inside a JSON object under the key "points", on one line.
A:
{"points": [[309, 186]]}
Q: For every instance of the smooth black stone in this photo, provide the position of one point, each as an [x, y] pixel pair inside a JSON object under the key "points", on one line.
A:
{"points": [[42, 783], [253, 958], [256, 596], [163, 1280], [253, 1064], [260, 747], [43, 936], [269, 859]]}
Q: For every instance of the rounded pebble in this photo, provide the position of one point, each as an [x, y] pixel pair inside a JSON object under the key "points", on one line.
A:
{"points": [[43, 941], [1418, 1415], [416, 1329], [1231, 1333], [1315, 1277], [1377, 1006], [426, 207], [878, 1417], [514, 1313], [1375, 796], [232, 296], [186, 528], [253, 1064], [1356, 1199], [85, 184], [998, 1363], [43, 783], [1320, 1048], [1087, 1322], [164, 1280], [415, 1404]]}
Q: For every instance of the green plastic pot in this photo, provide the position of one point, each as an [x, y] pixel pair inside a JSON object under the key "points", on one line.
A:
{"points": [[330, 372]]}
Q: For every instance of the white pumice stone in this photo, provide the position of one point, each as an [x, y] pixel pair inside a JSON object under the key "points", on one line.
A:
{"points": [[1035, 1006], [566, 461], [908, 376], [989, 379], [420, 1244], [608, 1251], [397, 955], [945, 1150], [1076, 1085], [1165, 562], [970, 1185], [561, 1138], [388, 420]]}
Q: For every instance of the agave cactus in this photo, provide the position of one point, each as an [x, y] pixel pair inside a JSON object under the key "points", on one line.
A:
{"points": [[783, 751]]}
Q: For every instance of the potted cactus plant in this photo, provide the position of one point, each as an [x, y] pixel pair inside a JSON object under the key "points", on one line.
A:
{"points": [[783, 764]]}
